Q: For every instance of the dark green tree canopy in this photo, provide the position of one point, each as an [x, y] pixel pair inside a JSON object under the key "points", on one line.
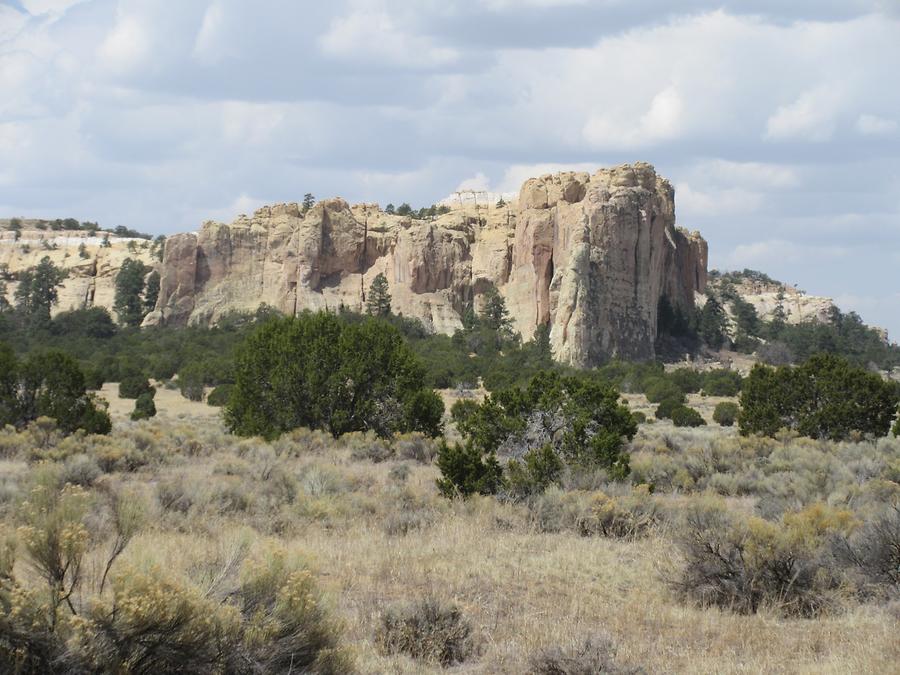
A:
{"points": [[826, 397], [37, 293], [321, 372], [48, 384], [712, 323], [494, 313], [129, 299], [151, 291], [378, 300], [581, 419]]}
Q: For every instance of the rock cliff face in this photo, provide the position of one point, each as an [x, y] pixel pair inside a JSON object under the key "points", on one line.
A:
{"points": [[90, 262], [588, 255]]}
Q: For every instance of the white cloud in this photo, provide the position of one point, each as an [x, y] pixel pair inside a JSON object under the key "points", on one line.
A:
{"points": [[127, 47], [244, 204], [749, 174], [48, 6], [479, 183], [371, 37], [155, 114], [779, 251], [872, 125], [517, 174], [812, 117], [504, 5], [692, 202], [212, 44]]}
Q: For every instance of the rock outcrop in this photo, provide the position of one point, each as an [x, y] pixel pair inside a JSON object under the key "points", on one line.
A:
{"points": [[91, 262], [588, 255]]}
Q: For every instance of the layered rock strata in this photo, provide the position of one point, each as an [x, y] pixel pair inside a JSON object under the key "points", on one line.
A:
{"points": [[589, 255]]}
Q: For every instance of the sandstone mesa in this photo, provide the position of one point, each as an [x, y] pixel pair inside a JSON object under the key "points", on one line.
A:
{"points": [[589, 255]]}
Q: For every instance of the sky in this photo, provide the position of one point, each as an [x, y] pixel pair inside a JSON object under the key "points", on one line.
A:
{"points": [[777, 122]]}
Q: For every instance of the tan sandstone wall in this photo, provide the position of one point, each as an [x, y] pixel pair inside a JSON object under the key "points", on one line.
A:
{"points": [[590, 255]]}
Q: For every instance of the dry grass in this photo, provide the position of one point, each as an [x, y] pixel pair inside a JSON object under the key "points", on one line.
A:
{"points": [[522, 590]]}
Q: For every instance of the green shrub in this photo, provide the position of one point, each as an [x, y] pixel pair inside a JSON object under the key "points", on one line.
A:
{"points": [[465, 471], [463, 409], [688, 380], [191, 381], [320, 372], [539, 469], [826, 397], [48, 384], [722, 382], [661, 389], [219, 396], [93, 379], [144, 407], [428, 631], [683, 416], [638, 417], [726, 413], [133, 386], [666, 407], [590, 426]]}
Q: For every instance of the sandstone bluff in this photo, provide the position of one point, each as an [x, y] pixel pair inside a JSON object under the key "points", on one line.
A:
{"points": [[589, 255]]}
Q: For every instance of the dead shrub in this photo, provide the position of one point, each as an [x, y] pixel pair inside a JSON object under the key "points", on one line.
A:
{"points": [[399, 474], [428, 630], [367, 446], [874, 552], [415, 447], [80, 470], [174, 495], [741, 564], [401, 523], [595, 655], [152, 626], [594, 513]]}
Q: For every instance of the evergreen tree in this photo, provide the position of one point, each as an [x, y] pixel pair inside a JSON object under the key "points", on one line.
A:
{"points": [[378, 302], [129, 298], [779, 316], [469, 318], [48, 384], [4, 303], [144, 407], [494, 313], [37, 292], [542, 343], [389, 209], [321, 372], [308, 202], [826, 397], [712, 323], [151, 291]]}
